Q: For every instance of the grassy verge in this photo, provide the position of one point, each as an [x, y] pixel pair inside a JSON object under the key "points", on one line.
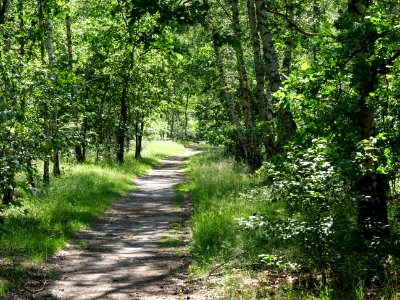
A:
{"points": [[223, 192], [45, 223], [216, 185]]}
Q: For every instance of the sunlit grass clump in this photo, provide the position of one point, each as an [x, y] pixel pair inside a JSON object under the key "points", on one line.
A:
{"points": [[217, 183], [45, 222]]}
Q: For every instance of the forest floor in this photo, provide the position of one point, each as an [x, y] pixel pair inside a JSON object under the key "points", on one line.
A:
{"points": [[136, 250]]}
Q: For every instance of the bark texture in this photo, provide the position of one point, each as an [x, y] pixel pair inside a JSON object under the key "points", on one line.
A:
{"points": [[254, 156], [228, 96], [272, 63], [265, 110]]}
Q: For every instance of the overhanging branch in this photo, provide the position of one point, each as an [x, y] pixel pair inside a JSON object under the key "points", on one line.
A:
{"points": [[292, 23]]}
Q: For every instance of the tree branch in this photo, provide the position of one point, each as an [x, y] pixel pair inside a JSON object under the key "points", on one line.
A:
{"points": [[292, 23]]}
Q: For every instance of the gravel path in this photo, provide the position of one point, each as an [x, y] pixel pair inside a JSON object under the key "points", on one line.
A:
{"points": [[119, 256]]}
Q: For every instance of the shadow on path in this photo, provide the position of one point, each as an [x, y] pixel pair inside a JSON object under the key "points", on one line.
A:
{"points": [[119, 257]]}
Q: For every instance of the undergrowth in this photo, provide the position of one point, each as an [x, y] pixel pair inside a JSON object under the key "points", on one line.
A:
{"points": [[216, 187], [46, 221], [241, 232]]}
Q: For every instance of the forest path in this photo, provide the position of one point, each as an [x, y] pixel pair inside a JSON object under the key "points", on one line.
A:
{"points": [[119, 256]]}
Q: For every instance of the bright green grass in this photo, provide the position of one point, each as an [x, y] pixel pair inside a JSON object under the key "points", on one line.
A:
{"points": [[220, 190], [216, 184], [71, 203]]}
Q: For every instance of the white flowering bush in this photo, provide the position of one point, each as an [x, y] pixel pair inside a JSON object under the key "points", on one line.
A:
{"points": [[317, 216]]}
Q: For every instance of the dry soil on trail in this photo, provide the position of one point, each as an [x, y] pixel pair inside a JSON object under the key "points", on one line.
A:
{"points": [[119, 256]]}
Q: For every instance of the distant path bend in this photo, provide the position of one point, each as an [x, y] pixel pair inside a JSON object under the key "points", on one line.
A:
{"points": [[119, 257]]}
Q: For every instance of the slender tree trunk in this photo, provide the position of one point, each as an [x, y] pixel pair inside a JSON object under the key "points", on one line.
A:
{"points": [[69, 41], [287, 55], [56, 151], [272, 63], [254, 156], [172, 126], [21, 28], [265, 111], [46, 170], [41, 30], [7, 195], [29, 174], [74, 110], [55, 125], [229, 97], [3, 12], [50, 51], [186, 115], [30, 178], [372, 212], [139, 127], [122, 124], [84, 145]]}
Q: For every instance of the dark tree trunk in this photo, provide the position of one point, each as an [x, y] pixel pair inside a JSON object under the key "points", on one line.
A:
{"points": [[122, 125], [287, 55], [186, 115], [56, 151], [46, 170], [69, 41], [21, 28], [31, 180], [139, 127], [56, 163], [372, 212], [7, 195], [240, 154], [3, 10]]}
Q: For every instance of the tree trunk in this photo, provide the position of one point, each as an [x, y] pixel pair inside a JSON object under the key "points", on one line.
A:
{"points": [[273, 75], [287, 55], [229, 97], [54, 126], [21, 28], [42, 30], [46, 170], [186, 115], [372, 212], [7, 195], [56, 150], [254, 156], [122, 125], [69, 41], [50, 51], [139, 127], [265, 111], [30, 178], [172, 126], [3, 10], [74, 110]]}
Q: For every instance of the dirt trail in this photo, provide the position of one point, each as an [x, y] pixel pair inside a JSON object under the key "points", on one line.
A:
{"points": [[119, 256]]}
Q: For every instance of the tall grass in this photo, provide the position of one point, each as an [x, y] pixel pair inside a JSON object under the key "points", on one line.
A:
{"points": [[216, 186], [46, 222], [223, 192]]}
